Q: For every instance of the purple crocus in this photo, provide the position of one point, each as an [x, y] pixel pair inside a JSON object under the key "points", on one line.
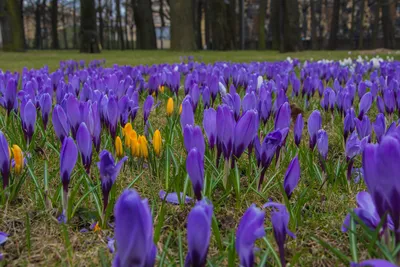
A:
{"points": [[187, 115], [322, 143], [363, 127], [280, 221], [225, 130], [373, 263], [112, 116], [365, 104], [28, 116], [147, 106], [245, 131], [298, 129], [380, 104], [199, 233], [292, 176], [251, 228], [379, 126], [45, 103], [73, 113], [83, 140], [314, 124], [282, 118], [108, 173], [68, 157], [210, 126], [195, 170], [60, 123], [349, 123], [10, 95], [133, 231], [381, 169], [193, 137], [4, 160], [94, 125], [249, 102]]}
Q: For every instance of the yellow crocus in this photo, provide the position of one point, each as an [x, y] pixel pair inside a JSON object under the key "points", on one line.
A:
{"points": [[144, 152], [153, 94], [161, 88], [157, 142], [126, 131], [134, 144], [118, 147], [170, 106], [180, 109], [18, 158]]}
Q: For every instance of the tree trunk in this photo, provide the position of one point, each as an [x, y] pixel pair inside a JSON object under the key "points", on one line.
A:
{"points": [[375, 25], [290, 39], [387, 26], [45, 24], [305, 19], [207, 9], [119, 25], [126, 28], [101, 23], [182, 34], [221, 34], [242, 37], [75, 39], [334, 25], [161, 13], [232, 21], [275, 30], [261, 24], [353, 24], [197, 16], [145, 32], [38, 28], [109, 25], [54, 22], [361, 36], [64, 27], [12, 26], [314, 38], [88, 33]]}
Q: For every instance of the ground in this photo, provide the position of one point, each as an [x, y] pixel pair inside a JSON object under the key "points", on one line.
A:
{"points": [[36, 238]]}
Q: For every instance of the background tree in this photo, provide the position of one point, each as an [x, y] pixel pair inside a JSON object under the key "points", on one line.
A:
{"points": [[88, 33], [101, 23], [119, 25], [334, 25], [54, 25], [361, 25], [145, 31], [261, 24], [221, 34], [12, 27], [387, 25], [38, 28], [314, 38], [182, 33]]}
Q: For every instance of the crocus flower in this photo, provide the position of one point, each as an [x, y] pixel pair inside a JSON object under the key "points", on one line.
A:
{"points": [[133, 231], [187, 116], [322, 143], [108, 173], [365, 104], [251, 228], [28, 120], [210, 126], [292, 176], [363, 127], [112, 116], [373, 263], [157, 142], [225, 130], [195, 169], [45, 103], [68, 157], [170, 106], [173, 197], [314, 124], [147, 106], [298, 129], [3, 238], [4, 160], [119, 151], [379, 126], [389, 101], [380, 105], [280, 221], [245, 131], [249, 102], [142, 147], [83, 140], [18, 159], [73, 113], [10, 95], [94, 124], [198, 233], [349, 123], [282, 118], [193, 137]]}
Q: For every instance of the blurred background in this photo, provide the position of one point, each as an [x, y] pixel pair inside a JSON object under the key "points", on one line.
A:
{"points": [[284, 25]]}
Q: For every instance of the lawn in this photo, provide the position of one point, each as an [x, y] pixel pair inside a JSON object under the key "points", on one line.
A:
{"points": [[318, 206]]}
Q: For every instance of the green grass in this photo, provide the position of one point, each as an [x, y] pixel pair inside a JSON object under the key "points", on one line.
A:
{"points": [[51, 58]]}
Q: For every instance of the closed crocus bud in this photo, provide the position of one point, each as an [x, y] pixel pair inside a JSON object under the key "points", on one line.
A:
{"points": [[363, 127], [199, 233], [83, 140], [245, 131], [10, 95], [314, 124], [112, 116], [210, 126], [322, 143], [147, 106], [283, 115], [68, 157], [298, 129], [18, 159], [126, 132], [180, 109], [157, 142], [134, 145], [170, 106], [119, 151], [73, 113], [379, 126], [292, 176], [4, 160], [45, 103], [60, 123], [187, 116], [365, 104], [193, 137], [29, 120], [380, 104], [225, 130], [143, 150], [195, 169], [373, 263], [133, 233], [349, 124], [251, 228], [280, 224], [109, 171]]}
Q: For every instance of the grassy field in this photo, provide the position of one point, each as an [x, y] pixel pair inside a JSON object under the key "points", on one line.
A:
{"points": [[36, 238], [37, 59]]}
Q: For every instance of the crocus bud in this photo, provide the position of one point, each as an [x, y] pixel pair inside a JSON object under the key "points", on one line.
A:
{"points": [[157, 142], [170, 106]]}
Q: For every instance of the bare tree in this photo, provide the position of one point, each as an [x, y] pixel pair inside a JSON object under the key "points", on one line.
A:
{"points": [[387, 25], [261, 24], [101, 23], [75, 39], [314, 38], [12, 26], [334, 25], [54, 24], [361, 27], [64, 26], [145, 31], [89, 38], [119, 25], [182, 34], [38, 28]]}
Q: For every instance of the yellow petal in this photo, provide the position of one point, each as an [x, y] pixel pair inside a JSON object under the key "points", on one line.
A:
{"points": [[118, 147], [170, 106], [157, 142]]}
